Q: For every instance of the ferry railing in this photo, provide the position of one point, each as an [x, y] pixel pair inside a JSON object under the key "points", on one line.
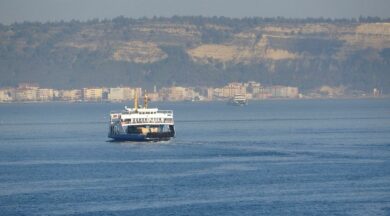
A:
{"points": [[169, 112], [148, 121]]}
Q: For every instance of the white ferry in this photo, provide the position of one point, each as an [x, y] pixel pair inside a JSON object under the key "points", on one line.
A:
{"points": [[238, 100], [141, 123]]}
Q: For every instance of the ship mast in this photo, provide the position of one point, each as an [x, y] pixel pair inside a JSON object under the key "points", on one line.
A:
{"points": [[146, 100], [135, 100]]}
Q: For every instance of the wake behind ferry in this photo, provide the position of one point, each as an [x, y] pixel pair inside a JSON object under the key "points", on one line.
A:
{"points": [[141, 123]]}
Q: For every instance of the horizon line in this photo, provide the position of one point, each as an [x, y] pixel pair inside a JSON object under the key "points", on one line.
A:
{"points": [[274, 18]]}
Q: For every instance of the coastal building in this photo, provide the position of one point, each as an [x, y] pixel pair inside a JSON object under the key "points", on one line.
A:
{"points": [[92, 94], [154, 96], [281, 92], [44, 94], [254, 90], [203, 94], [292, 92], [120, 94], [138, 91], [254, 87], [26, 92], [231, 90], [251, 90], [26, 95], [123, 93], [210, 94], [236, 89], [70, 95], [7, 94], [262, 93], [178, 93]]}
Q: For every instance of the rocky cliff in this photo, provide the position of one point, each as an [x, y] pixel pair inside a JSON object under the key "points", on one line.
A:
{"points": [[197, 51]]}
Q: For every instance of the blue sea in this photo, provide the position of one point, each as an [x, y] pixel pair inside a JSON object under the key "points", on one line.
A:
{"points": [[274, 157]]}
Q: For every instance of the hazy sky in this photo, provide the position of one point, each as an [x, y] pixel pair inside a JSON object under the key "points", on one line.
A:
{"points": [[56, 10]]}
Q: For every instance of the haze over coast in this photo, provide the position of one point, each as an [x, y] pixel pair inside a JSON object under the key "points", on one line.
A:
{"points": [[56, 10], [72, 44]]}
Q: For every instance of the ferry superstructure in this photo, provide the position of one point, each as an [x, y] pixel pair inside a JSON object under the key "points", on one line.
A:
{"points": [[141, 123], [238, 100]]}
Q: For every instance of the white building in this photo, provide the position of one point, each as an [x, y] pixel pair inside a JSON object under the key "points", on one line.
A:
{"points": [[6, 95], [92, 94], [121, 94], [45, 94], [26, 94], [70, 95]]}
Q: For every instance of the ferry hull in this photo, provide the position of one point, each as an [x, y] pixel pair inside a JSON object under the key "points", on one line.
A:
{"points": [[235, 103], [128, 137], [141, 137]]}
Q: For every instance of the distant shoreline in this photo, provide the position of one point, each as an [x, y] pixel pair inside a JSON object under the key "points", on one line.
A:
{"points": [[203, 101]]}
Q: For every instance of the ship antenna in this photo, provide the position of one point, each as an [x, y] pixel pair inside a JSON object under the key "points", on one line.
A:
{"points": [[136, 100], [146, 100]]}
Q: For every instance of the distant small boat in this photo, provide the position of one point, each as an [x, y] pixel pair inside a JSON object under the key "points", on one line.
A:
{"points": [[238, 100], [141, 124]]}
